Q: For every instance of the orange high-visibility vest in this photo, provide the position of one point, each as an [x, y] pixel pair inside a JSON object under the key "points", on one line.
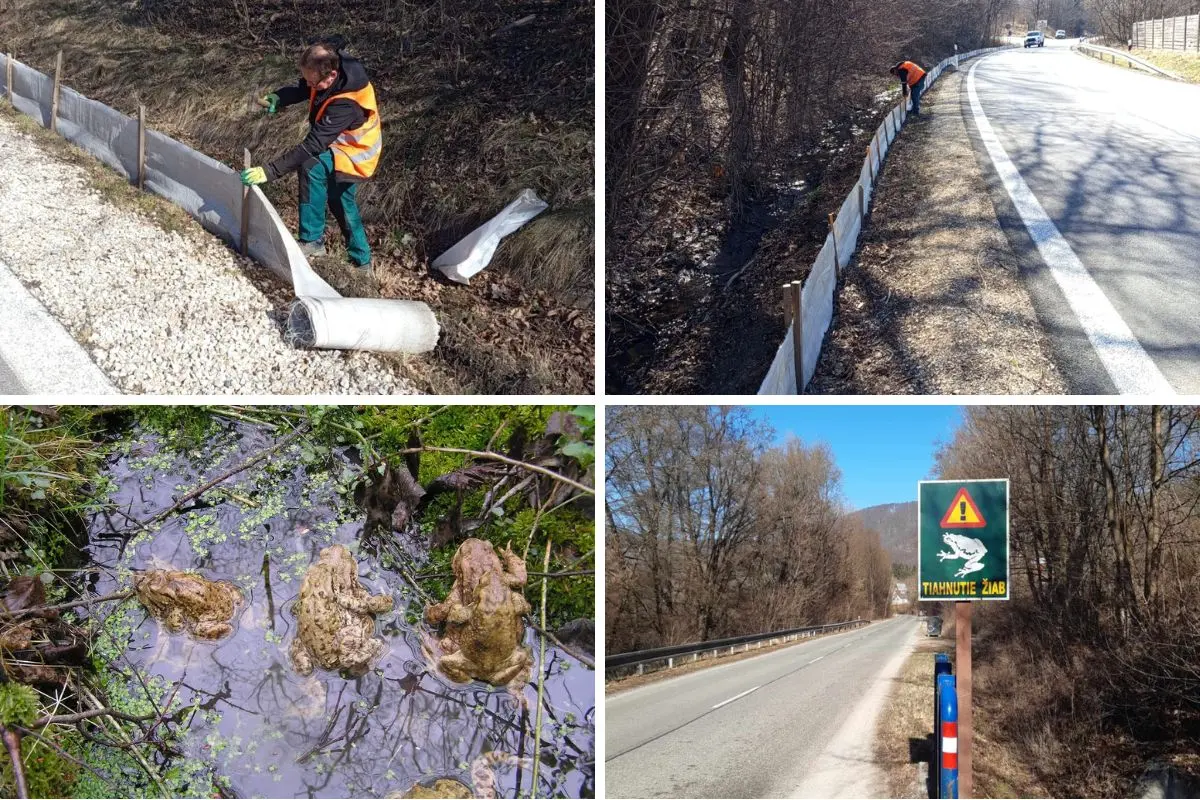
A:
{"points": [[915, 73], [356, 152]]}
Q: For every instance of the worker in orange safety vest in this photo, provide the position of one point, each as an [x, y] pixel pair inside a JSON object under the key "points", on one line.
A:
{"points": [[912, 82], [341, 149]]}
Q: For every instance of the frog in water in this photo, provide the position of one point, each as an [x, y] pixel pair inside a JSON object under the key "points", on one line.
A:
{"points": [[482, 616], [184, 600], [335, 612], [964, 547]]}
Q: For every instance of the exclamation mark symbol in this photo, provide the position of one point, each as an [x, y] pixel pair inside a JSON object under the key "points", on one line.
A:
{"points": [[962, 510]]}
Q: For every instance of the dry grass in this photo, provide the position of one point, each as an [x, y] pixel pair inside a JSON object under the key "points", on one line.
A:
{"points": [[902, 737], [472, 115], [933, 302], [1185, 65]]}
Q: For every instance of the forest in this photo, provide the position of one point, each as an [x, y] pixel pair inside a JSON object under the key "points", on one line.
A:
{"points": [[711, 531], [1092, 669]]}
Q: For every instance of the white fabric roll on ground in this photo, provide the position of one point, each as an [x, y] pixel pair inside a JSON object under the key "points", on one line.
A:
{"points": [[357, 323], [475, 250]]}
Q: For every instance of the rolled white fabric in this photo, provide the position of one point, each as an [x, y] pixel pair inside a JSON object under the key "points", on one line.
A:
{"points": [[357, 323]]}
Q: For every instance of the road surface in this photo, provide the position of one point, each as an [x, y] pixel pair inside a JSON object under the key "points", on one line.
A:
{"points": [[1111, 156], [797, 722]]}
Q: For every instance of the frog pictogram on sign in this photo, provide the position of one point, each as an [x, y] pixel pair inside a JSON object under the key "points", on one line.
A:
{"points": [[963, 513]]}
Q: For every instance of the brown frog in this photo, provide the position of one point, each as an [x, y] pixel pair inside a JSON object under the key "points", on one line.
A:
{"points": [[483, 617], [336, 628], [183, 600], [442, 787]]}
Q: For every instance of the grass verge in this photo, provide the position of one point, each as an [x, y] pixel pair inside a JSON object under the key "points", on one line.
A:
{"points": [[1185, 65]]}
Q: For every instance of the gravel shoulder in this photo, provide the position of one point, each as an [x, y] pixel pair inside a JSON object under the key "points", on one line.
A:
{"points": [[162, 306], [934, 302]]}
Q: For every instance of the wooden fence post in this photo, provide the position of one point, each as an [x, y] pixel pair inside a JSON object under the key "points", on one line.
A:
{"points": [[786, 296], [141, 167], [54, 99], [862, 202], [245, 240], [798, 333], [837, 262]]}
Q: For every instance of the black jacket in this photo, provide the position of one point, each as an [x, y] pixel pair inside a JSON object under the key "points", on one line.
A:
{"points": [[342, 114]]}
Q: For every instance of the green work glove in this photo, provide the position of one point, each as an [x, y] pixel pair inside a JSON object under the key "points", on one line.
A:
{"points": [[254, 176], [269, 102]]}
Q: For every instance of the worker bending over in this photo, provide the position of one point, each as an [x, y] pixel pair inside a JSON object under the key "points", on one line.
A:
{"points": [[340, 151], [912, 82]]}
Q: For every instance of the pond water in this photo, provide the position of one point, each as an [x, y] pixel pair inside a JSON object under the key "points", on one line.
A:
{"points": [[257, 729]]}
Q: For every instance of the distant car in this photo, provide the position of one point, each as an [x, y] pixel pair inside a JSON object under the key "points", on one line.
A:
{"points": [[1060, 34], [1035, 39]]}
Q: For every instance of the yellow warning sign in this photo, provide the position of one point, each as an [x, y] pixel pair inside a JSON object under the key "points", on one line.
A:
{"points": [[963, 513]]}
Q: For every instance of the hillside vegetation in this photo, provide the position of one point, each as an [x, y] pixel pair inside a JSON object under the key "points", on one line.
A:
{"points": [[712, 532], [478, 101]]}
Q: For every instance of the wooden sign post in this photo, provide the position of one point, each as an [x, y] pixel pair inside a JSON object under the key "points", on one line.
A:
{"points": [[963, 556], [54, 99], [244, 243]]}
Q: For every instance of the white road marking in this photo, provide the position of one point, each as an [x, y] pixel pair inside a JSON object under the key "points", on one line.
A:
{"points": [[815, 660], [1119, 351], [735, 697]]}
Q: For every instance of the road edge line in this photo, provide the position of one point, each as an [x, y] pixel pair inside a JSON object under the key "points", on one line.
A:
{"points": [[42, 355], [1120, 353]]}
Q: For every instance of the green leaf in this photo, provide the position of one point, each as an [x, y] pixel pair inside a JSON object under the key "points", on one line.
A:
{"points": [[581, 451]]}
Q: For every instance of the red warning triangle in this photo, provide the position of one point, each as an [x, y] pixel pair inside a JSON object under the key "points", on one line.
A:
{"points": [[963, 513]]}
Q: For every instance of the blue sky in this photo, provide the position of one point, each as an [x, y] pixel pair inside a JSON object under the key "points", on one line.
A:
{"points": [[882, 451]]}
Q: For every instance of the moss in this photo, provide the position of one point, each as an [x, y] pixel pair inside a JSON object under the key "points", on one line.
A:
{"points": [[18, 704], [47, 774]]}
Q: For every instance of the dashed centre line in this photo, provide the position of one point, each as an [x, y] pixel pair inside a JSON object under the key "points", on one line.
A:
{"points": [[737, 696]]}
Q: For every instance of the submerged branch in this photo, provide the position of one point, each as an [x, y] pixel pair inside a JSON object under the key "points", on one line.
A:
{"points": [[87, 601], [549, 473], [537, 726], [71, 719], [300, 430], [46, 740], [583, 657], [572, 574]]}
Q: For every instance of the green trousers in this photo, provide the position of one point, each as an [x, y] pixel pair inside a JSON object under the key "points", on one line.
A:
{"points": [[318, 189]]}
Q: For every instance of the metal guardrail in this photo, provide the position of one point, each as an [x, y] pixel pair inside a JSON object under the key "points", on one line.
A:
{"points": [[640, 658], [1098, 52]]}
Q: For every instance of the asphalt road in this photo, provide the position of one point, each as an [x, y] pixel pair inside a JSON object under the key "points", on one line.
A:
{"points": [[797, 722], [1112, 155]]}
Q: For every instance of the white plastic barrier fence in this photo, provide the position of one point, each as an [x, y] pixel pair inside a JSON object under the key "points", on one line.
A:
{"points": [[817, 291], [212, 193]]}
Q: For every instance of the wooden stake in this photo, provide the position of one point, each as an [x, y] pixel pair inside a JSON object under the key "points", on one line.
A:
{"points": [[837, 268], [786, 296], [8, 77], [871, 158], [54, 99], [798, 333], [962, 666], [141, 169], [862, 203], [245, 240]]}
